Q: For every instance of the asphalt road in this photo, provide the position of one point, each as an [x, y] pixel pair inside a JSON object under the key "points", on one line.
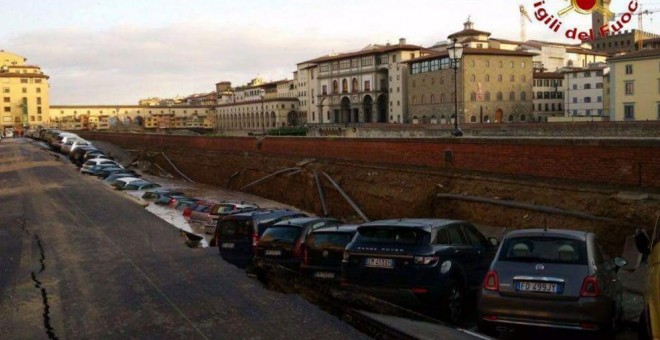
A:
{"points": [[78, 260]]}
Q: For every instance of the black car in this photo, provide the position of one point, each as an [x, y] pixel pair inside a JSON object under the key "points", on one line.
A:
{"points": [[237, 235], [323, 251], [282, 242], [78, 155], [428, 263]]}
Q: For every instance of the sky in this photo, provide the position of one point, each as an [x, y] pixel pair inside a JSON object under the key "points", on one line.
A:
{"points": [[116, 52]]}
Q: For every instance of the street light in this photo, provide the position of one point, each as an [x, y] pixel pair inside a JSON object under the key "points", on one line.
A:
{"points": [[455, 53]]}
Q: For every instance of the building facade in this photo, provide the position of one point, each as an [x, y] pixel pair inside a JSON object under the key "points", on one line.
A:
{"points": [[25, 93], [635, 86], [548, 95], [366, 86], [586, 93]]}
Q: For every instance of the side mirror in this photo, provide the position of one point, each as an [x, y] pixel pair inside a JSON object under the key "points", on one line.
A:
{"points": [[620, 262], [493, 241], [642, 242]]}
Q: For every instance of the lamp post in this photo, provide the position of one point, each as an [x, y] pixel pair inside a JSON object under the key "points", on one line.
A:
{"points": [[455, 50]]}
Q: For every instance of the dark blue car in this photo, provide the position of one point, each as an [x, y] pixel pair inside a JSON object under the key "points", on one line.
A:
{"points": [[419, 262], [237, 235]]}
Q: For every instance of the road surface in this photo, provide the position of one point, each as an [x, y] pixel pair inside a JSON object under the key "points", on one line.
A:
{"points": [[78, 260]]}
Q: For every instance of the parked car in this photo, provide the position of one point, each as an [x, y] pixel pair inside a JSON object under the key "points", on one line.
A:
{"points": [[120, 174], [122, 182], [323, 251], [208, 219], [155, 194], [197, 207], [428, 263], [649, 320], [77, 155], [282, 242], [170, 199], [96, 168], [71, 145], [551, 278], [237, 235], [9, 133], [60, 139], [140, 185]]}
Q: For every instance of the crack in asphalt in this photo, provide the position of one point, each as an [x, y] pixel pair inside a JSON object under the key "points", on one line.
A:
{"points": [[50, 331]]}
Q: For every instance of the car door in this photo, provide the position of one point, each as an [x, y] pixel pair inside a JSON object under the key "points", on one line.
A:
{"points": [[462, 252], [483, 256]]}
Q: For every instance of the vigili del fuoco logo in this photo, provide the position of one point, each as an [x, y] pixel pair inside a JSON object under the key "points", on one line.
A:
{"points": [[545, 15]]}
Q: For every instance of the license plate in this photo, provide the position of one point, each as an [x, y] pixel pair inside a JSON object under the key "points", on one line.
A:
{"points": [[273, 253], [379, 263], [324, 275], [538, 287], [228, 245]]}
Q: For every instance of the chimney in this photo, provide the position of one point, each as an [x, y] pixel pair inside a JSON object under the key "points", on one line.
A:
{"points": [[402, 41]]}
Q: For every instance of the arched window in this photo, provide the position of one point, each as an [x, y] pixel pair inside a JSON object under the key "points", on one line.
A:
{"points": [[487, 96], [523, 96], [511, 118], [523, 117], [442, 97], [344, 86], [473, 96], [432, 99], [414, 100], [499, 96], [486, 119], [512, 96], [512, 78], [355, 85], [487, 78], [473, 119], [335, 87], [423, 99], [499, 78]]}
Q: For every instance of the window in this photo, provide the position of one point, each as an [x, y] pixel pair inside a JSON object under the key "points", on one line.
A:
{"points": [[6, 89], [6, 99], [574, 86], [630, 88], [588, 112], [523, 96], [38, 81], [473, 96], [512, 96], [587, 99], [499, 96], [522, 65], [324, 89], [512, 78], [574, 75], [546, 107], [600, 112], [574, 100], [599, 85], [7, 109], [39, 109], [574, 112], [511, 64], [487, 96], [628, 111], [499, 78], [658, 110], [455, 236], [25, 90], [587, 74], [488, 80], [38, 100], [367, 85], [487, 63], [473, 78], [367, 61], [539, 95], [587, 86], [629, 69], [344, 64], [24, 81], [325, 68], [599, 99]]}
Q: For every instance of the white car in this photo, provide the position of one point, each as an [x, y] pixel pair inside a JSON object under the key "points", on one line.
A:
{"points": [[96, 161], [71, 145], [9, 133]]}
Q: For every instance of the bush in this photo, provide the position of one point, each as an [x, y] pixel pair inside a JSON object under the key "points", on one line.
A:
{"points": [[288, 131]]}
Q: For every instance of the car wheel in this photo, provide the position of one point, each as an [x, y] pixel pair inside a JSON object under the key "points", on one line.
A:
{"points": [[452, 302]]}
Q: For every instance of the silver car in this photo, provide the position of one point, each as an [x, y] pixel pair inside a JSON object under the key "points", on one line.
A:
{"points": [[551, 278]]}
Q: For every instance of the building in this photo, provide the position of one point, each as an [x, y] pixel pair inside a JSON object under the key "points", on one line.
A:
{"points": [[552, 56], [257, 106], [635, 86], [365, 86], [107, 117], [548, 95], [494, 84], [618, 40], [585, 97], [25, 93]]}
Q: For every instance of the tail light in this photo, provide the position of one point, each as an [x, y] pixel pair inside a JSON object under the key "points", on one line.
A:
{"points": [[590, 287], [425, 260], [298, 249], [187, 212], [492, 281], [305, 256], [255, 240]]}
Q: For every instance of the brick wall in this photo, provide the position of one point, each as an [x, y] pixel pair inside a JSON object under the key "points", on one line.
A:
{"points": [[628, 162]]}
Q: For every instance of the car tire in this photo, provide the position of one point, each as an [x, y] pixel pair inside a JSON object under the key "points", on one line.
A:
{"points": [[452, 302]]}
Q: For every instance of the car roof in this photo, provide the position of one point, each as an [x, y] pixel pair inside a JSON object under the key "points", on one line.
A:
{"points": [[573, 234], [264, 213], [128, 179], [300, 221], [426, 223], [340, 228]]}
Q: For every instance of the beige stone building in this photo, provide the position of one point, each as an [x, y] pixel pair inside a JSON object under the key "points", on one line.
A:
{"points": [[635, 86], [25, 93]]}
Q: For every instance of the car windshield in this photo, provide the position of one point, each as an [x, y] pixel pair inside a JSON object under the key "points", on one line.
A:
{"points": [[335, 241], [392, 235], [281, 234], [544, 249], [222, 208]]}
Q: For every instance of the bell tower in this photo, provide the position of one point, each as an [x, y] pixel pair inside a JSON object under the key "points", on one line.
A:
{"points": [[598, 19]]}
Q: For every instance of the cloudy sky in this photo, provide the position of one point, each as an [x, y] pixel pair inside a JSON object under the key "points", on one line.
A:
{"points": [[116, 52]]}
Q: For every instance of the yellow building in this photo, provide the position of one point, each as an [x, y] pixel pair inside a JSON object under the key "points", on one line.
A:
{"points": [[635, 86], [25, 93]]}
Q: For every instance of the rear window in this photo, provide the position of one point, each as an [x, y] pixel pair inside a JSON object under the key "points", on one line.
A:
{"points": [[236, 227], [222, 209], [281, 234], [336, 241], [544, 249], [392, 235]]}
